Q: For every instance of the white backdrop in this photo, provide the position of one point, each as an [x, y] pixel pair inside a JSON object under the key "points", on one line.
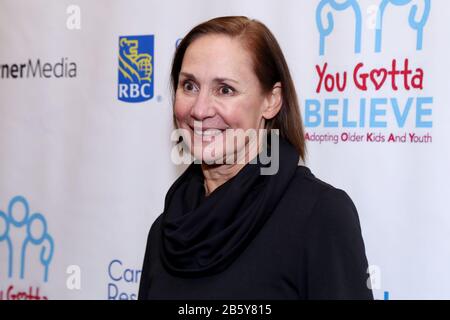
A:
{"points": [[95, 169]]}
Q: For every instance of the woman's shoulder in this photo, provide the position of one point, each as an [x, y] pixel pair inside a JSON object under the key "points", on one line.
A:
{"points": [[320, 196], [308, 182], [154, 228]]}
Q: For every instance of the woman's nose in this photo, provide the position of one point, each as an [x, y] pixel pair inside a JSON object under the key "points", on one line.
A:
{"points": [[203, 106]]}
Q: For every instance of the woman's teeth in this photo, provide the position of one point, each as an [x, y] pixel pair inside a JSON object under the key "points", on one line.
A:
{"points": [[208, 132]]}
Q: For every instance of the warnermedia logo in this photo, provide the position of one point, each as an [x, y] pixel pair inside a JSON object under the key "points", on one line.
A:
{"points": [[37, 69]]}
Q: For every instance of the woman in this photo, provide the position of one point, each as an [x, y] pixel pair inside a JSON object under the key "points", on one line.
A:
{"points": [[227, 230]]}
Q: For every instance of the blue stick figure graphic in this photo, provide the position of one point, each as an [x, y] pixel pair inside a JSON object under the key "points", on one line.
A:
{"points": [[17, 221], [325, 29], [4, 236], [417, 25], [41, 237], [46, 254]]}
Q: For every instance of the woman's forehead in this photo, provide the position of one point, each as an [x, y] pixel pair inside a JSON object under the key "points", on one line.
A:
{"points": [[217, 56]]}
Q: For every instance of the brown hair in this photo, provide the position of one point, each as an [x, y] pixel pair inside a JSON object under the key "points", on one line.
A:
{"points": [[269, 66]]}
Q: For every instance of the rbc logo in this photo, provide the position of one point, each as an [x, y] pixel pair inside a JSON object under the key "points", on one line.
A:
{"points": [[136, 61], [15, 220]]}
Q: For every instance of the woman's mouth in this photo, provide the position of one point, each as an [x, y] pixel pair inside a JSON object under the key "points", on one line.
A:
{"points": [[207, 132]]}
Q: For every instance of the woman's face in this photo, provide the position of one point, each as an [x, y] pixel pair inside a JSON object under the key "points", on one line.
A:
{"points": [[218, 90]]}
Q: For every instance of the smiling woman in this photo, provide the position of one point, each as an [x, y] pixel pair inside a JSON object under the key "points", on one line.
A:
{"points": [[228, 231], [216, 93]]}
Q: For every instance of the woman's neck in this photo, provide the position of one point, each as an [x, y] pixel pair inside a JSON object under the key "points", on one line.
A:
{"points": [[217, 174]]}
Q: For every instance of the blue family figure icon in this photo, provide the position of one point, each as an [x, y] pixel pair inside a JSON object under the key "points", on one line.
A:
{"points": [[34, 226], [37, 235], [4, 237], [325, 28], [416, 21]]}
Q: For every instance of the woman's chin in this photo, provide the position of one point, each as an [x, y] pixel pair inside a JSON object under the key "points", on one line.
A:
{"points": [[208, 155]]}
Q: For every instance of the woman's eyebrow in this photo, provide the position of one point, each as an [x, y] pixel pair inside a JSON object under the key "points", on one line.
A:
{"points": [[187, 75], [218, 79], [225, 79]]}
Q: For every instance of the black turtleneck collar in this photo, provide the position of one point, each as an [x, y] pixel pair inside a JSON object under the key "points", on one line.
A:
{"points": [[204, 235]]}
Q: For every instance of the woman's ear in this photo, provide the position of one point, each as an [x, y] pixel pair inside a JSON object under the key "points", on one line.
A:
{"points": [[274, 101]]}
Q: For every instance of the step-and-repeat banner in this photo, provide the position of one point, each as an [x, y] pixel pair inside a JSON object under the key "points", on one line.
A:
{"points": [[86, 117]]}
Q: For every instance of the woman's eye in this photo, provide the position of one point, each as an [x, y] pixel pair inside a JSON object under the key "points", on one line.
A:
{"points": [[226, 90], [188, 86]]}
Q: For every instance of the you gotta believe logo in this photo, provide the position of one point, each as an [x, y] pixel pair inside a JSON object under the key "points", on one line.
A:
{"points": [[397, 88], [19, 232]]}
